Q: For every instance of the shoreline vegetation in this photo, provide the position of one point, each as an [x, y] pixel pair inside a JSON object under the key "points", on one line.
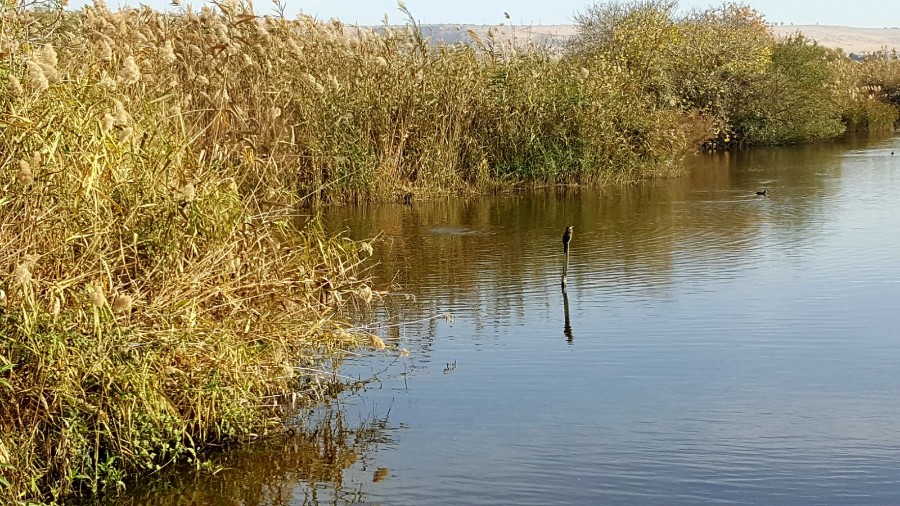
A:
{"points": [[163, 291]]}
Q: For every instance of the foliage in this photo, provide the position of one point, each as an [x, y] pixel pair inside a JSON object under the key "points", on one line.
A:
{"points": [[869, 91], [724, 48], [723, 68], [792, 102], [639, 38]]}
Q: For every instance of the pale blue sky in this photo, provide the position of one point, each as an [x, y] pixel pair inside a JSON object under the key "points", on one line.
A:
{"points": [[857, 13]]}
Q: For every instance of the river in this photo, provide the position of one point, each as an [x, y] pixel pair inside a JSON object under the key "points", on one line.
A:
{"points": [[711, 346]]}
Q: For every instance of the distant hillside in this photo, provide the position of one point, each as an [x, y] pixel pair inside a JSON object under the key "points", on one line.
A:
{"points": [[851, 40]]}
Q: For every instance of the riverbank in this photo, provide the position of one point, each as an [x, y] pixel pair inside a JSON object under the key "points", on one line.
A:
{"points": [[161, 285]]}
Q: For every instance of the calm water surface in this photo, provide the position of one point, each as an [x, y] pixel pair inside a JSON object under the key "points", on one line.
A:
{"points": [[712, 347]]}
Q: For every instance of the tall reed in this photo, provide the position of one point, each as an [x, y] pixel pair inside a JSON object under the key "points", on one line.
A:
{"points": [[159, 290]]}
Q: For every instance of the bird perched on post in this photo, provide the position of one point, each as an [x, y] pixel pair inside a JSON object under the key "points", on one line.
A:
{"points": [[567, 238]]}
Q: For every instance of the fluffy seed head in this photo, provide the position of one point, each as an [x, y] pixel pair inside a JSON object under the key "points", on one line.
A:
{"points": [[167, 53], [36, 77], [188, 192], [15, 86], [130, 73], [106, 53], [376, 342], [309, 78], [126, 134], [107, 82], [121, 116], [48, 55], [22, 275], [50, 72], [96, 297], [122, 303], [25, 175]]}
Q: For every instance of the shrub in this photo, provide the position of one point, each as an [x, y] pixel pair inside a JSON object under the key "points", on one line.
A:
{"points": [[792, 102]]}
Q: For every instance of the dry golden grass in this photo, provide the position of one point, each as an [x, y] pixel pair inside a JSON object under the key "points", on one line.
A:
{"points": [[159, 289]]}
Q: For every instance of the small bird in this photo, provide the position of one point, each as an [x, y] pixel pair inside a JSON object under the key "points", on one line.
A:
{"points": [[763, 193], [407, 199], [567, 238]]}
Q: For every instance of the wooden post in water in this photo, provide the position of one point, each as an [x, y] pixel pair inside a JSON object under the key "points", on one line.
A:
{"points": [[566, 239]]}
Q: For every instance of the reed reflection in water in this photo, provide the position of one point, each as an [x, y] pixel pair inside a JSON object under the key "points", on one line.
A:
{"points": [[326, 460]]}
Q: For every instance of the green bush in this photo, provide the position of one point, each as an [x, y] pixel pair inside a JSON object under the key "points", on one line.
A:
{"points": [[792, 101]]}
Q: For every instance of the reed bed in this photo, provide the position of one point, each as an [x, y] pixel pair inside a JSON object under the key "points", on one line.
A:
{"points": [[334, 113], [162, 290]]}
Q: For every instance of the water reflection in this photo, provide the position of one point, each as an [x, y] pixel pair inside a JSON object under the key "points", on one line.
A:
{"points": [[326, 460], [489, 256], [731, 348], [567, 326]]}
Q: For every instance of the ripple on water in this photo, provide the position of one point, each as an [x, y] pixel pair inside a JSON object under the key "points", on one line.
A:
{"points": [[711, 347]]}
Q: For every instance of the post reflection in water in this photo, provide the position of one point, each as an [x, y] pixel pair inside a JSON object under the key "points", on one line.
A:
{"points": [[567, 326]]}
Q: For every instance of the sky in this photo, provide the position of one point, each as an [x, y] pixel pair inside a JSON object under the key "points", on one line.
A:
{"points": [[858, 13]]}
